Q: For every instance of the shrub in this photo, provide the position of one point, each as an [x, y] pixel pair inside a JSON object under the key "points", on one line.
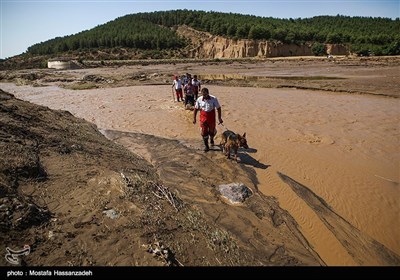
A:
{"points": [[318, 49]]}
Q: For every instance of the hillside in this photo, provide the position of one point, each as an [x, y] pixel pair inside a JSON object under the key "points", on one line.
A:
{"points": [[183, 34], [204, 45], [156, 31]]}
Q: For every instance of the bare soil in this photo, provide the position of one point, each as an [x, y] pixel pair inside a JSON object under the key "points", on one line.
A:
{"points": [[368, 75]]}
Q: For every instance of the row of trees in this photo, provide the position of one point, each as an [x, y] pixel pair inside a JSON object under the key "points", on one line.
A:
{"points": [[327, 29], [126, 32], [153, 31], [376, 35]]}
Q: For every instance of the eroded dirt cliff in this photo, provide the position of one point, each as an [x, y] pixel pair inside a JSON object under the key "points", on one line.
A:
{"points": [[205, 45]]}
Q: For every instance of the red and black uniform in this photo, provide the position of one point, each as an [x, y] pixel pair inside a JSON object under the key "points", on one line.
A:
{"points": [[207, 108]]}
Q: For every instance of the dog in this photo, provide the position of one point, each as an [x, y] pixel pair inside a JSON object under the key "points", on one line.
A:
{"points": [[231, 140]]}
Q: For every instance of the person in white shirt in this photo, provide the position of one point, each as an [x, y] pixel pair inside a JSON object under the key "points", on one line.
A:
{"points": [[177, 83], [196, 87], [207, 104]]}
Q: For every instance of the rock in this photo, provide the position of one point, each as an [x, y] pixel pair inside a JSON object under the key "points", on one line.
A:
{"points": [[111, 213], [235, 192]]}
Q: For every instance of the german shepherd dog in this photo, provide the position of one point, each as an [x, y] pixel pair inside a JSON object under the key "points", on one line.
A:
{"points": [[231, 140]]}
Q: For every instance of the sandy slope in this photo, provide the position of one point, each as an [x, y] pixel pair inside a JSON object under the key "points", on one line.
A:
{"points": [[342, 148]]}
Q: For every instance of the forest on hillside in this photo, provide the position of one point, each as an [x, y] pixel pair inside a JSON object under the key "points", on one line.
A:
{"points": [[155, 31]]}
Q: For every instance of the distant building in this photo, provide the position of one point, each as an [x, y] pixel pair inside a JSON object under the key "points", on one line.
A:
{"points": [[61, 63]]}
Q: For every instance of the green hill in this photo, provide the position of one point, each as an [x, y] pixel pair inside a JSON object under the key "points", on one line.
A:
{"points": [[155, 31]]}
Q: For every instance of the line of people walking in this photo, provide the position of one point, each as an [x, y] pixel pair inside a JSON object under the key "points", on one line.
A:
{"points": [[207, 105], [186, 88]]}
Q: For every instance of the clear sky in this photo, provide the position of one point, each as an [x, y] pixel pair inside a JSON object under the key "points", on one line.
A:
{"points": [[27, 22]]}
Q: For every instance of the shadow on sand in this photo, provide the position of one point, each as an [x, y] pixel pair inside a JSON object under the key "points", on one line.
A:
{"points": [[249, 160]]}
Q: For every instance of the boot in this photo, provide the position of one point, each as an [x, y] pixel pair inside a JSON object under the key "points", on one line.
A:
{"points": [[206, 148], [212, 141]]}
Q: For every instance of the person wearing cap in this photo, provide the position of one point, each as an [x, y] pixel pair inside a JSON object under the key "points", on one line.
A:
{"points": [[207, 104]]}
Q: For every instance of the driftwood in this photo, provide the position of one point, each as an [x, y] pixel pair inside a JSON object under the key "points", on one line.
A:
{"points": [[164, 192], [160, 251], [160, 191]]}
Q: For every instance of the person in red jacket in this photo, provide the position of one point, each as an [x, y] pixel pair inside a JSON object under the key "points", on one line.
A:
{"points": [[207, 104]]}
